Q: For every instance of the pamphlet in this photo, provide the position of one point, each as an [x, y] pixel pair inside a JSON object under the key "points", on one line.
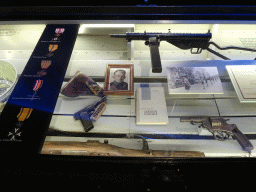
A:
{"points": [[151, 106]]}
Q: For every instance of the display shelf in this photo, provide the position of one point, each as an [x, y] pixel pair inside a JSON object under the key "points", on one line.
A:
{"points": [[120, 115], [233, 107]]}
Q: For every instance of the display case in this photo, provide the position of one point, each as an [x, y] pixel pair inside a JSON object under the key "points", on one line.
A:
{"points": [[181, 63]]}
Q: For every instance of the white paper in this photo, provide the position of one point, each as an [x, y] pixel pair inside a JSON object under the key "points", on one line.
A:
{"points": [[243, 78]]}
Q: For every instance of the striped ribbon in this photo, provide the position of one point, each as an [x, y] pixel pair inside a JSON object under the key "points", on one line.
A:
{"points": [[24, 114], [38, 85], [52, 47], [45, 64], [59, 30]]}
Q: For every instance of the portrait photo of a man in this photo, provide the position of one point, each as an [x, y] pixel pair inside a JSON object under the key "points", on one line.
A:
{"points": [[119, 80]]}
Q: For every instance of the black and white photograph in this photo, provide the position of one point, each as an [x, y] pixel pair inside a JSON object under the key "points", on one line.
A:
{"points": [[119, 80], [194, 80]]}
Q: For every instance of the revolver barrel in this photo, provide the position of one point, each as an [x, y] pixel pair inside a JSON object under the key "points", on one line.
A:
{"points": [[185, 119], [194, 119]]}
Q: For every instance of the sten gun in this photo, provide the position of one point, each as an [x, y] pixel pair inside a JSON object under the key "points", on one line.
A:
{"points": [[198, 41], [91, 113], [220, 129]]}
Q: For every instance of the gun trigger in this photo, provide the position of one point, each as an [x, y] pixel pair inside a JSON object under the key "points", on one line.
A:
{"points": [[199, 50]]}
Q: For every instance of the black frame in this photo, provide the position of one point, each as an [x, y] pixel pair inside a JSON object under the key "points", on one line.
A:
{"points": [[76, 13], [143, 169]]}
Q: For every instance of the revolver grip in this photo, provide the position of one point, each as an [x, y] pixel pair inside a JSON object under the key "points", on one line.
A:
{"points": [[242, 140]]}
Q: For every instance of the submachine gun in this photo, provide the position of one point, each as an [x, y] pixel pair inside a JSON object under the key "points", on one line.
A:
{"points": [[184, 41]]}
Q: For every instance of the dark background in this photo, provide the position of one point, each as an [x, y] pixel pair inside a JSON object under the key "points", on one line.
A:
{"points": [[123, 2]]}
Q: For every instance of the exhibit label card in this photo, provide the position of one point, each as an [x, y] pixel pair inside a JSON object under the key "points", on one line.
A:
{"points": [[243, 78], [194, 80], [151, 106]]}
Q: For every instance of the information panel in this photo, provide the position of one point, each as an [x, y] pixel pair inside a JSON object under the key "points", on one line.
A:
{"points": [[243, 78], [29, 110]]}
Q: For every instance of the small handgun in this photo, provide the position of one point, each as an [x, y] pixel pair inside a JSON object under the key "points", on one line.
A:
{"points": [[220, 129], [91, 113]]}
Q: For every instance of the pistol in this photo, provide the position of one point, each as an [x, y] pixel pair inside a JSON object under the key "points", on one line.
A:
{"points": [[91, 113], [220, 129]]}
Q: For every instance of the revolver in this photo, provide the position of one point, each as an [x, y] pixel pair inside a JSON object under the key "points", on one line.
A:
{"points": [[220, 129]]}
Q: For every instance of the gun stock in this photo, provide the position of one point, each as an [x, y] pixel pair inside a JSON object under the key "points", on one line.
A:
{"points": [[95, 148]]}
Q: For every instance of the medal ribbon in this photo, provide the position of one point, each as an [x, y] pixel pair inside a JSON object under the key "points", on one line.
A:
{"points": [[24, 114], [38, 85], [52, 48], [45, 64], [59, 30]]}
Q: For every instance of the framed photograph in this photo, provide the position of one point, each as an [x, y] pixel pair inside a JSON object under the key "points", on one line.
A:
{"points": [[119, 79]]}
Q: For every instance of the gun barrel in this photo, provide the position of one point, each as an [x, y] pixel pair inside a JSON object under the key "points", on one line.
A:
{"points": [[185, 119], [164, 36], [118, 35], [199, 119]]}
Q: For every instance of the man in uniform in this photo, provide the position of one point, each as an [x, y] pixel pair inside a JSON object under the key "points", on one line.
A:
{"points": [[118, 83]]}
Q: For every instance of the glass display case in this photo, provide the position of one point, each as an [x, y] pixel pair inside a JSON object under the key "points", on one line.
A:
{"points": [[148, 83]]}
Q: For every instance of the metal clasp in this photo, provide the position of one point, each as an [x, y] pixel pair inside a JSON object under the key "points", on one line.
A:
{"points": [[199, 50]]}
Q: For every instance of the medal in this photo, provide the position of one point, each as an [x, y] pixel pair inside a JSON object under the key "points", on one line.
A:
{"points": [[45, 64], [41, 73], [52, 48], [14, 134], [22, 116], [37, 86]]}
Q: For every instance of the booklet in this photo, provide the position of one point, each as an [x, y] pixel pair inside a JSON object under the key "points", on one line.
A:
{"points": [[151, 106], [243, 78], [194, 80]]}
